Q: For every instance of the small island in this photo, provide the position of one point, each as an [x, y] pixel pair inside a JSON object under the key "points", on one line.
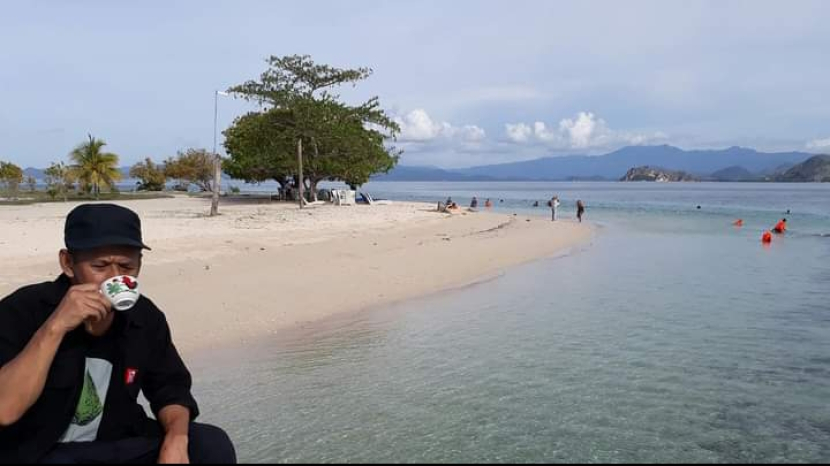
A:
{"points": [[655, 174]]}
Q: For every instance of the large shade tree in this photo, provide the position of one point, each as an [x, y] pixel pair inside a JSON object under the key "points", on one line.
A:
{"points": [[341, 141]]}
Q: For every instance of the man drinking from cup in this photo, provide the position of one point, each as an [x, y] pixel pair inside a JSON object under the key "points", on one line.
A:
{"points": [[71, 365]]}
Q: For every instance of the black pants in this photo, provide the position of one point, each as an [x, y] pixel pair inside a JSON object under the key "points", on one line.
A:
{"points": [[206, 445]]}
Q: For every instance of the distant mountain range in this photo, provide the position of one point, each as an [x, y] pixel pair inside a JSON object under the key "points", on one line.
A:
{"points": [[404, 173], [732, 164]]}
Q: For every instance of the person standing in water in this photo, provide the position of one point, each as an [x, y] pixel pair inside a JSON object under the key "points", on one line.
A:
{"points": [[474, 203], [580, 210], [554, 207]]}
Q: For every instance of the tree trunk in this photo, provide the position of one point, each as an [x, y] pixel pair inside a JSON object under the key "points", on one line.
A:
{"points": [[313, 188], [217, 177], [300, 177]]}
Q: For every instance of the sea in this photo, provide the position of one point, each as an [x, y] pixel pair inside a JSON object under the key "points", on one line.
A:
{"points": [[670, 336]]}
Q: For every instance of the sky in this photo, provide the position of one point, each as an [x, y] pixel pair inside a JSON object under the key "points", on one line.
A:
{"points": [[471, 82]]}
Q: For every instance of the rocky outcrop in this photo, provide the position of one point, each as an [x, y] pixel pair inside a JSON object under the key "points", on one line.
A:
{"points": [[655, 174]]}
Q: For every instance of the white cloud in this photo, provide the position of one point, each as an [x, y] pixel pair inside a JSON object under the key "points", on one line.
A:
{"points": [[584, 131], [473, 133], [819, 144], [418, 126], [519, 132], [543, 133]]}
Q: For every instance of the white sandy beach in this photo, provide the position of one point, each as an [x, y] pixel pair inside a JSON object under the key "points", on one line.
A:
{"points": [[263, 268]]}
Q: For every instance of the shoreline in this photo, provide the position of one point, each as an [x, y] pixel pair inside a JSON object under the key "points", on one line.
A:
{"points": [[303, 333], [261, 268]]}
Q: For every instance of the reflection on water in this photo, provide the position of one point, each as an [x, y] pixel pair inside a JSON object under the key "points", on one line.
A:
{"points": [[667, 339]]}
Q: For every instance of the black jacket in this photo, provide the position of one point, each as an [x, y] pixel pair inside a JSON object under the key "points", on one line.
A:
{"points": [[144, 360]]}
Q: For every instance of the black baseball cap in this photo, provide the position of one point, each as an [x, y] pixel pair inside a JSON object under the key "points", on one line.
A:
{"points": [[91, 226]]}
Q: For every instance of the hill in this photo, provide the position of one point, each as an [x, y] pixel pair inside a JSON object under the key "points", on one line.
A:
{"points": [[735, 173], [814, 170]]}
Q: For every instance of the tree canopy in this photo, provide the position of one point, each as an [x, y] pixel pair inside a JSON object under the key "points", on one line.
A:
{"points": [[151, 176], [259, 147], [341, 141], [10, 178], [193, 166], [60, 179]]}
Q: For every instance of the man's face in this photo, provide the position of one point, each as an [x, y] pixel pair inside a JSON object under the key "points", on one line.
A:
{"points": [[98, 265]]}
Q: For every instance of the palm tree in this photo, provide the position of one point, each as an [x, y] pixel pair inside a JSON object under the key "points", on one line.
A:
{"points": [[93, 167]]}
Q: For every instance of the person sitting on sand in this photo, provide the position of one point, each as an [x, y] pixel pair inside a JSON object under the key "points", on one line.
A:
{"points": [[781, 226], [71, 368]]}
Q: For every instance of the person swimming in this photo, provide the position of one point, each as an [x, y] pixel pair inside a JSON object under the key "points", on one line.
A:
{"points": [[781, 227]]}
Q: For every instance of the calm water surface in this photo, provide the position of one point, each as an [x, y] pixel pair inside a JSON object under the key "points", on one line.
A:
{"points": [[672, 336]]}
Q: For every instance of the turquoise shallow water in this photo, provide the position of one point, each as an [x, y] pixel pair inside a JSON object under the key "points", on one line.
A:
{"points": [[671, 337]]}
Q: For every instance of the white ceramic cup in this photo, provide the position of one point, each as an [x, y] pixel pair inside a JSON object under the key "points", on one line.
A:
{"points": [[122, 291]]}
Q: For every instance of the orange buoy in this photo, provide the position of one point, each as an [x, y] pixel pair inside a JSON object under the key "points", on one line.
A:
{"points": [[767, 237], [739, 223]]}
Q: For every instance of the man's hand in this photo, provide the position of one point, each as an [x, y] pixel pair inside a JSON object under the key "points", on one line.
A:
{"points": [[82, 303], [174, 450], [23, 378]]}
